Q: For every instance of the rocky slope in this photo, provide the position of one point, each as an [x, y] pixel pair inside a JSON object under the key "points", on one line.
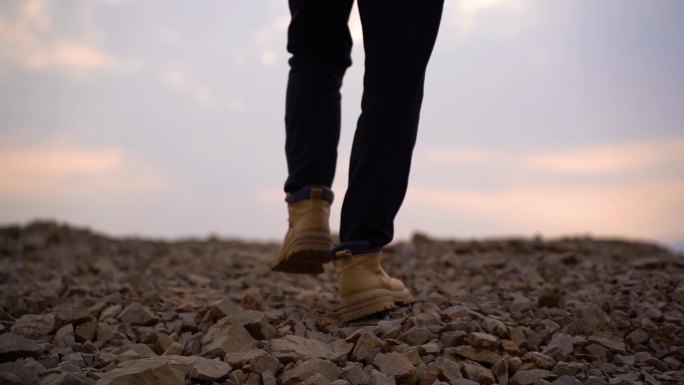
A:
{"points": [[77, 307]]}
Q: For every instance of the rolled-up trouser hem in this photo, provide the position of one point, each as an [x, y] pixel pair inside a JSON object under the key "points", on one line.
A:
{"points": [[355, 247], [305, 193]]}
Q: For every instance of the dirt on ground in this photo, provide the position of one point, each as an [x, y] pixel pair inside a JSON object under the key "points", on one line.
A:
{"points": [[78, 307]]}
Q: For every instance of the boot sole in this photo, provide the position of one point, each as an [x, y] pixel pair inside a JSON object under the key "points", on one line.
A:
{"points": [[305, 255], [372, 301]]}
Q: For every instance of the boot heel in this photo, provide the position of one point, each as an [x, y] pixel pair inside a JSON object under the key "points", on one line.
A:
{"points": [[365, 303], [311, 240], [305, 254]]}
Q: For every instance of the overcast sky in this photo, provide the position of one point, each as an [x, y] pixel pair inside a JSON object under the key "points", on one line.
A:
{"points": [[165, 118]]}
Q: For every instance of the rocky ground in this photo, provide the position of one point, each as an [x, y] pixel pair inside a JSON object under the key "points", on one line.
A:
{"points": [[78, 307]]}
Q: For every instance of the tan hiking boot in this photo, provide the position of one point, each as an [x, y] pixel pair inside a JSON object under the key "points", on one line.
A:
{"points": [[306, 247], [364, 287]]}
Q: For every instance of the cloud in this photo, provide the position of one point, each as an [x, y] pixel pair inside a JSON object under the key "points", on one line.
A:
{"points": [[610, 159], [631, 189], [178, 80], [467, 15], [48, 170], [457, 156], [31, 41], [268, 58], [613, 209], [603, 159]]}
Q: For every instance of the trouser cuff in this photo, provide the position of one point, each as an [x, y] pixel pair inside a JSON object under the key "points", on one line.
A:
{"points": [[310, 191], [354, 247]]}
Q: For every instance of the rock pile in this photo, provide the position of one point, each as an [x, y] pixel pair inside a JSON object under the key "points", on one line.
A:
{"points": [[79, 308]]}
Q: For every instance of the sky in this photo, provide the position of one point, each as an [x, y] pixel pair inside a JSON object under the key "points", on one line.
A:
{"points": [[165, 118]]}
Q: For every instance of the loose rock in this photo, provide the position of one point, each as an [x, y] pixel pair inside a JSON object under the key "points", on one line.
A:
{"points": [[398, 366], [34, 326], [144, 371], [137, 314], [14, 346], [308, 368], [226, 336]]}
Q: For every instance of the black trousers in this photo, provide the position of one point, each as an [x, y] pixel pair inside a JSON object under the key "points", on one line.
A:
{"points": [[398, 38]]}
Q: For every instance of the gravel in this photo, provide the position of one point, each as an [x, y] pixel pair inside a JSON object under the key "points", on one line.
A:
{"points": [[79, 307]]}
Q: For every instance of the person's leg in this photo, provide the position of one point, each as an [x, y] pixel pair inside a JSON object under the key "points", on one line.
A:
{"points": [[398, 39], [399, 36], [320, 44]]}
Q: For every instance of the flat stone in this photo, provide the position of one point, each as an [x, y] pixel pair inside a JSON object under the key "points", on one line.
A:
{"points": [[14, 346], [452, 338], [647, 263], [237, 377], [456, 312], [265, 363], [396, 365], [86, 331], [26, 370], [74, 358], [552, 300], [366, 347], [226, 336], [379, 378], [565, 380], [429, 348], [34, 326], [451, 370], [539, 360], [482, 340], [529, 377], [463, 381], [475, 354], [418, 335], [619, 359], [66, 378], [520, 304], [174, 348], [316, 379], [135, 351], [568, 368], [257, 324], [292, 348], [226, 307], [64, 336], [597, 351], [613, 345], [144, 371], [137, 314], [590, 317], [560, 346], [478, 374], [306, 369], [245, 357], [428, 374], [500, 371], [181, 364], [110, 312], [267, 378], [355, 375], [648, 359], [209, 370], [637, 337], [495, 326]]}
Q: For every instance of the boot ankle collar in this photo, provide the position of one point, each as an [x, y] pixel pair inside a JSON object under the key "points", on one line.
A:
{"points": [[313, 191]]}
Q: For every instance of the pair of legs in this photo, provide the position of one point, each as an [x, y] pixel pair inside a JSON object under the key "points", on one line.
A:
{"points": [[399, 36]]}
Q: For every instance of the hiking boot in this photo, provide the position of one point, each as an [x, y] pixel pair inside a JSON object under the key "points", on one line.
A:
{"points": [[306, 247], [364, 287]]}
